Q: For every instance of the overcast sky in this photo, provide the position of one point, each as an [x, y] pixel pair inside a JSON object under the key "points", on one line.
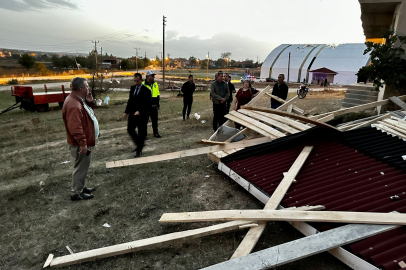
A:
{"points": [[247, 29]]}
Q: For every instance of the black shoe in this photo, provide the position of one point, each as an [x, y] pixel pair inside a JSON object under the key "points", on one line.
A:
{"points": [[88, 190], [188, 117], [146, 138], [138, 154], [184, 119], [156, 135], [81, 196], [134, 150]]}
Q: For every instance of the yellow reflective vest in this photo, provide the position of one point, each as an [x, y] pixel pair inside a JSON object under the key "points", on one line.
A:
{"points": [[154, 90]]}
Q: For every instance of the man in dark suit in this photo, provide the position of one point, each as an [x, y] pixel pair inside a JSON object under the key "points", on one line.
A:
{"points": [[137, 112]]}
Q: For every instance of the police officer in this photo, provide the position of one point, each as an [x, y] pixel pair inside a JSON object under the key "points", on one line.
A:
{"points": [[153, 113]]}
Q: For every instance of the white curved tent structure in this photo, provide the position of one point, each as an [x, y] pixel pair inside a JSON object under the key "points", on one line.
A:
{"points": [[344, 60]]}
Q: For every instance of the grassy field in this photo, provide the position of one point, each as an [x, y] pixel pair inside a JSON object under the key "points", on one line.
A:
{"points": [[38, 217]]}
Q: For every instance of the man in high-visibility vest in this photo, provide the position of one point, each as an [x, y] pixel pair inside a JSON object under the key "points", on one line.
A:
{"points": [[153, 112]]}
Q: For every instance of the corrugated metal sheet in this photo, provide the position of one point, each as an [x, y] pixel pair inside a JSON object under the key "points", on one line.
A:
{"points": [[345, 59], [339, 175]]}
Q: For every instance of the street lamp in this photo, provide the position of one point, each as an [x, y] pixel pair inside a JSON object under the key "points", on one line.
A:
{"points": [[227, 63], [198, 62]]}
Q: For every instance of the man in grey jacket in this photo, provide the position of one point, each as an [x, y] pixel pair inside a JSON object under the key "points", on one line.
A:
{"points": [[219, 95]]}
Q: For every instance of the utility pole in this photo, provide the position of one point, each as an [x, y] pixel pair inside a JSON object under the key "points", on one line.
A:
{"points": [[208, 63], [161, 60], [95, 53], [288, 67], [145, 60], [101, 57], [163, 50], [136, 58]]}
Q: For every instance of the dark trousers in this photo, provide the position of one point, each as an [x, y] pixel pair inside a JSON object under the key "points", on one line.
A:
{"points": [[187, 105], [153, 114], [228, 107], [141, 124], [219, 110]]}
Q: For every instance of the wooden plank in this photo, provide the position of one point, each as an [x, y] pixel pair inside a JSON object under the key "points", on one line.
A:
{"points": [[398, 102], [153, 242], [284, 120], [346, 257], [402, 264], [186, 153], [143, 244], [290, 108], [243, 131], [250, 126], [398, 129], [397, 123], [276, 98], [48, 261], [210, 142], [390, 130], [302, 248], [259, 96], [284, 185], [326, 118], [356, 108], [368, 123], [275, 123], [275, 215], [267, 128], [252, 237], [70, 250], [248, 226], [297, 110], [291, 115], [285, 105]]}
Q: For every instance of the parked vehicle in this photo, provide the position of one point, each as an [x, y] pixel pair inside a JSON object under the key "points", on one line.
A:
{"points": [[302, 91], [271, 80], [248, 77]]}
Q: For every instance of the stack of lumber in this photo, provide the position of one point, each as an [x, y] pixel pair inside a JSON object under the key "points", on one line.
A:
{"points": [[393, 125], [263, 123]]}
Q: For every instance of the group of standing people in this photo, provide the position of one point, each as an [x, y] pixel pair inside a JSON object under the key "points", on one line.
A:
{"points": [[82, 127]]}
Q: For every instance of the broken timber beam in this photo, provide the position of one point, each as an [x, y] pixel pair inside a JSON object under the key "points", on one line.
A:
{"points": [[285, 105], [398, 102], [258, 124], [269, 121], [275, 215], [186, 153], [154, 242], [303, 247], [252, 237], [285, 120], [368, 123], [291, 115], [356, 108], [259, 96], [210, 142]]}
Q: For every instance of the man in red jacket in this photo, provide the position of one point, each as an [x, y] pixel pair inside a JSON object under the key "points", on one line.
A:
{"points": [[82, 130]]}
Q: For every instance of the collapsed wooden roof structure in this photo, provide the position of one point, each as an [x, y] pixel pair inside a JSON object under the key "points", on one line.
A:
{"points": [[295, 164]]}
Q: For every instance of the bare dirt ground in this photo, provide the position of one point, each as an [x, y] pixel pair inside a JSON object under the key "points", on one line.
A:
{"points": [[38, 217]]}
